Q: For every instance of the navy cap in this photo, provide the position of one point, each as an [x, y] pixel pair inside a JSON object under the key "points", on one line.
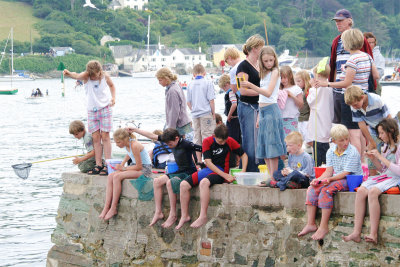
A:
{"points": [[342, 14]]}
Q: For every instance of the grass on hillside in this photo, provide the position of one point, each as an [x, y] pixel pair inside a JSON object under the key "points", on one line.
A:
{"points": [[20, 17]]}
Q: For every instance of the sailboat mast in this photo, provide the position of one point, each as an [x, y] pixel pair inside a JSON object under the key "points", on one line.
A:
{"points": [[12, 54], [148, 43]]}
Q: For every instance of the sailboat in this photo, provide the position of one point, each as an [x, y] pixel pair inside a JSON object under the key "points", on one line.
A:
{"points": [[148, 73], [11, 90]]}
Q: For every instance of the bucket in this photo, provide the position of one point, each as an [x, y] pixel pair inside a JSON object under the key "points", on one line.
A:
{"points": [[172, 166], [111, 163], [354, 181], [319, 171], [263, 168], [234, 171]]}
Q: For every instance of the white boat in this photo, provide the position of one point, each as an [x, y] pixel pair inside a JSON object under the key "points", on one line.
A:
{"points": [[9, 90], [287, 60]]}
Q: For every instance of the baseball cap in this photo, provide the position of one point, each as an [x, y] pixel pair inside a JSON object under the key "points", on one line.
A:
{"points": [[342, 14]]}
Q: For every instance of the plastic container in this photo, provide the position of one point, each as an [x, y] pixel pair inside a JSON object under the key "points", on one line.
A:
{"points": [[263, 168], [250, 178], [233, 171], [172, 166], [354, 181], [319, 171], [111, 163]]}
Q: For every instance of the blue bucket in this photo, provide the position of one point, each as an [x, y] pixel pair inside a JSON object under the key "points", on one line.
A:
{"points": [[172, 166], [354, 181]]}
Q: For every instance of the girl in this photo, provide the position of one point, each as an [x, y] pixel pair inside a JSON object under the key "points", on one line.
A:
{"points": [[290, 100], [388, 163], [139, 156], [302, 80], [270, 144], [100, 99]]}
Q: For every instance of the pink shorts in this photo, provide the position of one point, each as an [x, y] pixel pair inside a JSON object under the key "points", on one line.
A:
{"points": [[100, 120]]}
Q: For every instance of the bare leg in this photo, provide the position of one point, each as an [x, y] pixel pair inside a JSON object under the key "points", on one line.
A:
{"points": [[109, 191], [374, 214], [310, 226], [359, 208], [158, 184], [98, 150], [105, 137], [355, 139], [323, 228], [172, 203], [272, 165], [204, 200], [184, 197]]}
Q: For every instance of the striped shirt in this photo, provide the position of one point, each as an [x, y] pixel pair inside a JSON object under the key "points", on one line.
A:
{"points": [[349, 161], [341, 58], [375, 112], [361, 63]]}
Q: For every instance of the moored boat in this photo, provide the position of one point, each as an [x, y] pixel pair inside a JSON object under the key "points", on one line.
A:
{"points": [[8, 91]]}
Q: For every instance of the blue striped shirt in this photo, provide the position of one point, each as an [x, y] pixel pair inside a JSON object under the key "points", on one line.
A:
{"points": [[341, 58], [349, 161], [376, 111]]}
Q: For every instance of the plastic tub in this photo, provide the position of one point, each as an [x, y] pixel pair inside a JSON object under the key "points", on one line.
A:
{"points": [[172, 166], [234, 171], [319, 171], [250, 178], [354, 181], [111, 163]]}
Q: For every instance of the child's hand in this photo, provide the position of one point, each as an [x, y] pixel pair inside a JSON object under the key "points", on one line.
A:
{"points": [[112, 101], [285, 171], [66, 72], [131, 129], [246, 84], [371, 146], [76, 160], [229, 177], [373, 153], [119, 167]]}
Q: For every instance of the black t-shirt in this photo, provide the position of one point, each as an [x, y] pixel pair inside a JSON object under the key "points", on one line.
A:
{"points": [[228, 105], [254, 78]]}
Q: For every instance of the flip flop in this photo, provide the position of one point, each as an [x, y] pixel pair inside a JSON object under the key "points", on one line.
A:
{"points": [[96, 170], [103, 171]]}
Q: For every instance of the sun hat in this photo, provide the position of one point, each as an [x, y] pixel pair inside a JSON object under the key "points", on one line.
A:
{"points": [[342, 14]]}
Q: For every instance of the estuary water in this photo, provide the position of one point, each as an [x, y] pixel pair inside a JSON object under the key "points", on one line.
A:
{"points": [[37, 129]]}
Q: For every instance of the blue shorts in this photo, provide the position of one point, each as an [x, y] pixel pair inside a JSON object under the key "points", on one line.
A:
{"points": [[196, 177]]}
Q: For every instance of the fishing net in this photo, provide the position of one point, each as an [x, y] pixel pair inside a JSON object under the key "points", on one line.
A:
{"points": [[144, 186], [22, 170], [176, 180]]}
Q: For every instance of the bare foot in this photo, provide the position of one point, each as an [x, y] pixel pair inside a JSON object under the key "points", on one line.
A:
{"points": [[110, 214], [371, 239], [157, 216], [103, 213], [352, 237], [199, 222], [170, 221], [320, 233], [182, 221], [308, 229]]}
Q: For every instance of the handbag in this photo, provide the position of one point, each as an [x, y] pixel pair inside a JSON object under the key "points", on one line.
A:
{"points": [[371, 82]]}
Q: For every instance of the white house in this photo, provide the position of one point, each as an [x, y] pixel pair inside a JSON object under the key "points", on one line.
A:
{"points": [[61, 51], [120, 52], [188, 57], [134, 4]]}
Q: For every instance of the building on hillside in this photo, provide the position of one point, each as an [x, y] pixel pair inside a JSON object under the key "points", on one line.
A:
{"points": [[108, 38], [111, 69], [188, 57], [217, 52], [120, 52], [61, 51], [133, 4]]}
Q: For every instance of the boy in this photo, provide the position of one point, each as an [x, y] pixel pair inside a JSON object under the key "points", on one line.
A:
{"points": [[216, 150], [182, 150], [301, 166], [232, 120], [232, 58], [218, 119], [200, 100], [341, 159], [88, 161], [367, 109]]}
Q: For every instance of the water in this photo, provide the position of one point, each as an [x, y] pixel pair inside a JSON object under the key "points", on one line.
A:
{"points": [[37, 129]]}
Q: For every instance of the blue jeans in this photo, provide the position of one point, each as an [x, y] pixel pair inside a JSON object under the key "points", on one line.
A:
{"points": [[247, 118]]}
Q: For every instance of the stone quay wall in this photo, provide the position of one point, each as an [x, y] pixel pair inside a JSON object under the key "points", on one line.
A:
{"points": [[247, 226]]}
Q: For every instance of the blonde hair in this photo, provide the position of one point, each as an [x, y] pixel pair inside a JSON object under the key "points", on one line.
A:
{"points": [[287, 72], [325, 73], [157, 132], [353, 39], [294, 138], [305, 76], [93, 67], [231, 52], [198, 69], [253, 41], [224, 80], [339, 131], [76, 127], [122, 134], [267, 50], [166, 74], [353, 94]]}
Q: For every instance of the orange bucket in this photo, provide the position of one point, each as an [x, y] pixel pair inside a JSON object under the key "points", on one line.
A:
{"points": [[319, 171]]}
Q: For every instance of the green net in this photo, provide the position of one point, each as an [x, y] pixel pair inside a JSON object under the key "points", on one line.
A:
{"points": [[176, 180], [144, 186]]}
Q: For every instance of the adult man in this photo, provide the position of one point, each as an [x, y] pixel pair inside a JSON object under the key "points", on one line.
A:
{"points": [[379, 60]]}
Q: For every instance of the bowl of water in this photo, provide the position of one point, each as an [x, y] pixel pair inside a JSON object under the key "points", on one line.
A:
{"points": [[250, 178]]}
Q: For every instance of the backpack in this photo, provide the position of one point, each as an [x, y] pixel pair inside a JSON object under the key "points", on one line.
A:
{"points": [[160, 148]]}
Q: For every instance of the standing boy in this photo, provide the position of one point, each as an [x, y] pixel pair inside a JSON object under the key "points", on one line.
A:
{"points": [[200, 99]]}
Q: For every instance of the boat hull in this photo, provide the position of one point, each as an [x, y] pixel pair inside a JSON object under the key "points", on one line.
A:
{"points": [[8, 92]]}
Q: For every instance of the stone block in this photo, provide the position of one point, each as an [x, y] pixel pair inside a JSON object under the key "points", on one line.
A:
{"points": [[205, 252]]}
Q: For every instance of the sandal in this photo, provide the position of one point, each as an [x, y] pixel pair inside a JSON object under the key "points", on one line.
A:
{"points": [[104, 171], [96, 170]]}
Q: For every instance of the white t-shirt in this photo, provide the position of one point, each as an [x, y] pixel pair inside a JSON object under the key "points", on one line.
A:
{"points": [[98, 94], [232, 73], [291, 110], [264, 83]]}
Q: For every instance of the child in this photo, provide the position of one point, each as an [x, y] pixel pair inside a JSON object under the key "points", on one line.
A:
{"points": [[216, 150], [160, 153], [99, 103], [139, 156], [342, 159], [301, 166], [218, 119], [200, 100], [302, 80], [320, 101], [87, 162], [290, 100], [388, 163], [182, 150], [270, 144], [367, 109], [232, 58], [232, 120]]}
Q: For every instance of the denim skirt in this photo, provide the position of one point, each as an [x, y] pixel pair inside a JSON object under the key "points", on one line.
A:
{"points": [[271, 137]]}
